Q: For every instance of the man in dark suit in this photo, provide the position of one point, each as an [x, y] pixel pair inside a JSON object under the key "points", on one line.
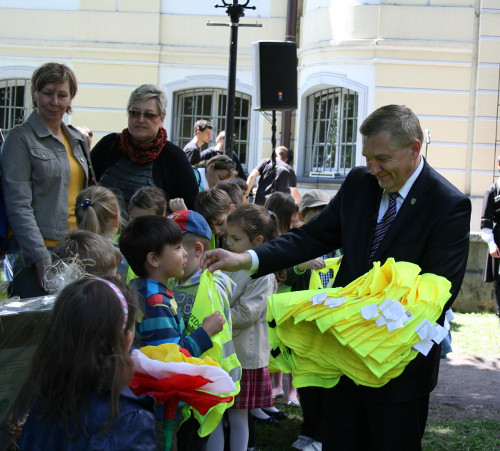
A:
{"points": [[430, 228]]}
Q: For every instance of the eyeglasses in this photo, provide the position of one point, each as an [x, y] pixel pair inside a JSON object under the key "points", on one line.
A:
{"points": [[147, 115]]}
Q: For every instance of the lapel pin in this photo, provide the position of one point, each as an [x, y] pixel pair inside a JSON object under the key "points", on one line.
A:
{"points": [[413, 200]]}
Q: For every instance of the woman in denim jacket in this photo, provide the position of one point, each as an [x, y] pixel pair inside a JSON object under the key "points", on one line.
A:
{"points": [[45, 164]]}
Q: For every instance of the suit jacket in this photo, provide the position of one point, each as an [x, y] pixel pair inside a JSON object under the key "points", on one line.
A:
{"points": [[431, 230]]}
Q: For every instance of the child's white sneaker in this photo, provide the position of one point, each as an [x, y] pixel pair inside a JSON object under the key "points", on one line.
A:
{"points": [[314, 446], [302, 442]]}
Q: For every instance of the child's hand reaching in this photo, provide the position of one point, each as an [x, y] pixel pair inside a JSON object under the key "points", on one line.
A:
{"points": [[315, 263], [177, 204], [213, 323]]}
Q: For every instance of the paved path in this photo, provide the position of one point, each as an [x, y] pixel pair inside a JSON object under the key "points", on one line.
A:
{"points": [[469, 386]]}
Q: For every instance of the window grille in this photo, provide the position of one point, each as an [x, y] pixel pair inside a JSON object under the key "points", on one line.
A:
{"points": [[331, 128], [210, 103], [14, 101]]}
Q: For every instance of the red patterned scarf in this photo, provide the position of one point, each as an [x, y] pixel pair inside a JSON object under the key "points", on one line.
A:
{"points": [[142, 153]]}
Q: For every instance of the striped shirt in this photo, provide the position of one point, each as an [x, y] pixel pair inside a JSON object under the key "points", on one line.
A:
{"points": [[159, 321]]}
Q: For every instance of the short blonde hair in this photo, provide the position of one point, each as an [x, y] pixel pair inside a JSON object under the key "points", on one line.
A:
{"points": [[97, 254], [146, 92]]}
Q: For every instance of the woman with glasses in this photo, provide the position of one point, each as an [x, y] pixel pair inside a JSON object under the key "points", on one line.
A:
{"points": [[45, 164], [141, 155]]}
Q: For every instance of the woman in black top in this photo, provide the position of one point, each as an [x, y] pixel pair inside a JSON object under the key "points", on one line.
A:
{"points": [[141, 155]]}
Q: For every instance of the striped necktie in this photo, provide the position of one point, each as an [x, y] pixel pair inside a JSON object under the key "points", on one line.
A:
{"points": [[384, 224]]}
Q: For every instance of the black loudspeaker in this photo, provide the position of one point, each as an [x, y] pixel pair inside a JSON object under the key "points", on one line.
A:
{"points": [[274, 75]]}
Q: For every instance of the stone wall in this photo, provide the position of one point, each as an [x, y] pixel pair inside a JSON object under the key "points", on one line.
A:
{"points": [[475, 295]]}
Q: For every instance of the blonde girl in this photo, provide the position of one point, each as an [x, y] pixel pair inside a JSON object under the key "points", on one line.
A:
{"points": [[97, 211]]}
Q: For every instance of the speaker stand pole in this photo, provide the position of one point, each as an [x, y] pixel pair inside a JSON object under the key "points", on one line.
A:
{"points": [[273, 156], [235, 11]]}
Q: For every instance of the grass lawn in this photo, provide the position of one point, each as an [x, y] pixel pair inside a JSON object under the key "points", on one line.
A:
{"points": [[472, 334]]}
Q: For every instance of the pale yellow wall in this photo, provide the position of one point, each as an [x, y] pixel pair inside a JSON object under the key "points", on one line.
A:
{"points": [[416, 52], [115, 46], [422, 54]]}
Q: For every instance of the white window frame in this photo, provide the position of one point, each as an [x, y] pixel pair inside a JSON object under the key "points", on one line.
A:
{"points": [[314, 81], [329, 152], [182, 134]]}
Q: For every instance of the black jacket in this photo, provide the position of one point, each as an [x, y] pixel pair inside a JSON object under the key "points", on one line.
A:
{"points": [[172, 171], [431, 230]]}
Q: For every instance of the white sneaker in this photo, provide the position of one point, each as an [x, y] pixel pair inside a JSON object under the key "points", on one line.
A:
{"points": [[314, 446], [302, 442]]}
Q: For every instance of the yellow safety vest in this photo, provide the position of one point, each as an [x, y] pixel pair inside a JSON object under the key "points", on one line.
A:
{"points": [[207, 301], [330, 263]]}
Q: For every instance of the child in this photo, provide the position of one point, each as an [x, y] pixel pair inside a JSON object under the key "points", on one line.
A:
{"points": [[218, 168], [247, 227], [196, 237], [286, 210], [215, 205], [97, 210], [80, 371], [193, 303], [97, 255], [233, 191], [153, 248], [148, 200], [284, 207], [242, 183], [311, 398]]}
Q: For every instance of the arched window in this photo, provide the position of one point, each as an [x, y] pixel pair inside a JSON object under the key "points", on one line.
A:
{"points": [[210, 103], [14, 103], [331, 128]]}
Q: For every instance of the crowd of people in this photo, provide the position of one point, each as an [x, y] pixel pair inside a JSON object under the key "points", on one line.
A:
{"points": [[143, 219]]}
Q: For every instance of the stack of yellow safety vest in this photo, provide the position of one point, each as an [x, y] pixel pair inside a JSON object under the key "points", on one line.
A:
{"points": [[368, 331]]}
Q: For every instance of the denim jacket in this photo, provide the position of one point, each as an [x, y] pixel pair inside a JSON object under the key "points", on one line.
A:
{"points": [[35, 180]]}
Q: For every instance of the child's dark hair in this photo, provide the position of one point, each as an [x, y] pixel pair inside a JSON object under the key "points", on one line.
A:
{"points": [[232, 190], [149, 198], [84, 350], [96, 209], [97, 254], [255, 220], [146, 234], [211, 203], [283, 206], [241, 183]]}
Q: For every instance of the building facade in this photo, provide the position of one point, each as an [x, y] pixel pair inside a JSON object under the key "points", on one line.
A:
{"points": [[439, 57]]}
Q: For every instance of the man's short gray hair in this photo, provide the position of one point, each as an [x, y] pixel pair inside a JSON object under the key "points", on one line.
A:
{"points": [[397, 120], [146, 92]]}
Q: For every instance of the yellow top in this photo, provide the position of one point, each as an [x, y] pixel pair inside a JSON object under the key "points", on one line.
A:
{"points": [[76, 182]]}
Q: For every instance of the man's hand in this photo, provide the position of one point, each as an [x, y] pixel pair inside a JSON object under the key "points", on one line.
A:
{"points": [[495, 253], [213, 323], [225, 260]]}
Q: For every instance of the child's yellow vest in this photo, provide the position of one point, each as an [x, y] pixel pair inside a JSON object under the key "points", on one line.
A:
{"points": [[207, 301]]}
